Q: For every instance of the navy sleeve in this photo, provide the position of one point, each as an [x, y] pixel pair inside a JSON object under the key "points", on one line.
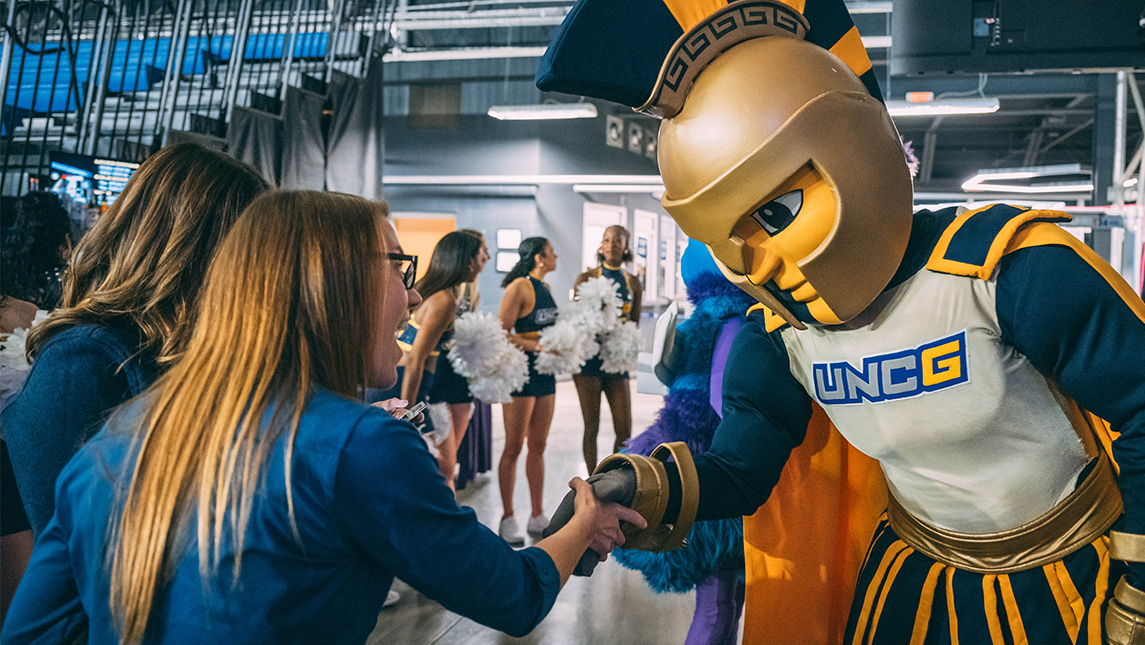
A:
{"points": [[46, 607], [70, 391], [393, 505], [765, 416], [1075, 327]]}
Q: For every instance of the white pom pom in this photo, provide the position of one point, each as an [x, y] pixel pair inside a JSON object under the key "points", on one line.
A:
{"points": [[14, 366], [620, 349], [566, 346], [482, 353], [581, 327], [442, 422]]}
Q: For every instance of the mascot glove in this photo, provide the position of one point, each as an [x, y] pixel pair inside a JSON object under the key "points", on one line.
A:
{"points": [[1125, 617]]}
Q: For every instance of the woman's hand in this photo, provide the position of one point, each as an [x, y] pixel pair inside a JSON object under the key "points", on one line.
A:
{"points": [[397, 408], [601, 519]]}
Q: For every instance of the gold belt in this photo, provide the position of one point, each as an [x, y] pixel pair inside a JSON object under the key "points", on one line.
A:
{"points": [[1078, 520]]}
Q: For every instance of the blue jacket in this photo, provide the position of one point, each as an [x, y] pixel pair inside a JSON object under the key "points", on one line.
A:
{"points": [[80, 375], [369, 505]]}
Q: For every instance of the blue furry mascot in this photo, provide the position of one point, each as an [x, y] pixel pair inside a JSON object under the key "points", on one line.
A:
{"points": [[712, 561]]}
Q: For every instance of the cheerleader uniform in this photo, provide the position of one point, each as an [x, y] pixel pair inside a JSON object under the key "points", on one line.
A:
{"points": [[544, 313], [593, 366], [449, 386]]}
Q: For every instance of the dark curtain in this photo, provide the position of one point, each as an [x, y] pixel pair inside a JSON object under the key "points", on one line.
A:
{"points": [[356, 148], [256, 137], [303, 148], [475, 454]]}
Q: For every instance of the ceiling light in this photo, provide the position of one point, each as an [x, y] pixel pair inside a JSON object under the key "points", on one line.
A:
{"points": [[543, 111], [651, 189], [941, 107], [1062, 178], [515, 180]]}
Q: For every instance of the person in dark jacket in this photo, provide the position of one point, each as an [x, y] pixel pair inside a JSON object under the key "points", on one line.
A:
{"points": [[129, 300]]}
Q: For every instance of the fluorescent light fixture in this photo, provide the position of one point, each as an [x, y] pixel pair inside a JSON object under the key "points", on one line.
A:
{"points": [[647, 181], [974, 204], [651, 189], [943, 107], [1074, 179], [1130, 182], [543, 111], [468, 53]]}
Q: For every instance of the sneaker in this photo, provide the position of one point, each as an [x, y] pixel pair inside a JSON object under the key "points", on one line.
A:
{"points": [[391, 598], [537, 524], [510, 532]]}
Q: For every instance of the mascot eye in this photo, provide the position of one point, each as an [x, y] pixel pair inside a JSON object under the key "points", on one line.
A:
{"points": [[776, 215]]}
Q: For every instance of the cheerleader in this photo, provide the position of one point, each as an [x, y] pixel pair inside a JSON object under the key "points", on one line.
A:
{"points": [[526, 309], [426, 373], [593, 380]]}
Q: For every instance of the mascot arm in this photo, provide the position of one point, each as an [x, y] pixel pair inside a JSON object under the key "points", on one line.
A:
{"points": [[1078, 322], [766, 412], [765, 416]]}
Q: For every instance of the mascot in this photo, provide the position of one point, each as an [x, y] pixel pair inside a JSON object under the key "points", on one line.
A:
{"points": [[988, 361]]}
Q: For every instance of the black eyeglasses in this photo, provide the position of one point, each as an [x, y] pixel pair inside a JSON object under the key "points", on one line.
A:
{"points": [[407, 267]]}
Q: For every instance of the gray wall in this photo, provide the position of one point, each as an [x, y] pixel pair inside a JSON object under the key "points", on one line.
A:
{"points": [[480, 145]]}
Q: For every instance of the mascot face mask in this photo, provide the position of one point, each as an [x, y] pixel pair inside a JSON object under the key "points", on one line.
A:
{"points": [[772, 161]]}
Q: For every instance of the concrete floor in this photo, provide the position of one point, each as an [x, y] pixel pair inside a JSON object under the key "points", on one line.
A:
{"points": [[613, 606]]}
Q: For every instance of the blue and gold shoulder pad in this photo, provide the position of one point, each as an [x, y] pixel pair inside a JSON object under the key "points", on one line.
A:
{"points": [[771, 320], [974, 243]]}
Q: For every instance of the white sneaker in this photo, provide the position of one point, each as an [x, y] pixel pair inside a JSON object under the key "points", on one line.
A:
{"points": [[510, 532], [537, 524], [391, 598]]}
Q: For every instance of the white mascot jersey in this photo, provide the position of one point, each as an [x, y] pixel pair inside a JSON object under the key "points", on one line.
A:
{"points": [[970, 436]]}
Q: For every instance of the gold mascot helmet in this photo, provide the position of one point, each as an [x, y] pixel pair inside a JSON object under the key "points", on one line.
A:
{"points": [[782, 163]]}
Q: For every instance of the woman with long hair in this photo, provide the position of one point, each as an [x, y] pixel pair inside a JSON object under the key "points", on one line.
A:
{"points": [[250, 495], [526, 308], [592, 379], [129, 303], [427, 373]]}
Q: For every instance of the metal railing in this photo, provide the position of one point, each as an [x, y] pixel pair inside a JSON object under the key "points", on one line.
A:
{"points": [[114, 78]]}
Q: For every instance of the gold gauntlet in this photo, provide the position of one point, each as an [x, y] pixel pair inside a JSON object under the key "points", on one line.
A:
{"points": [[651, 496], [1125, 617]]}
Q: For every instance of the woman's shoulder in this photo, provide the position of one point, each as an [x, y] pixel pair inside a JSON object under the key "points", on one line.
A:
{"points": [[445, 299], [16, 314], [120, 346], [333, 418], [519, 285], [112, 337]]}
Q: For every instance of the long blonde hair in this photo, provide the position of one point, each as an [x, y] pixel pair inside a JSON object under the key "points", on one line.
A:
{"points": [[144, 261], [290, 302]]}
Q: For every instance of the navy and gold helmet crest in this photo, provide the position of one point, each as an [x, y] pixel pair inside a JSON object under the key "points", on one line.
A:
{"points": [[633, 52]]}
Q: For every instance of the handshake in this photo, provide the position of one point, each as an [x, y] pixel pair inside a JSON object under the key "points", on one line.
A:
{"points": [[656, 515]]}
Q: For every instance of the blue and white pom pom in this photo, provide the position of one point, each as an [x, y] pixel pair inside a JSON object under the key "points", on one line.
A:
{"points": [[482, 353]]}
